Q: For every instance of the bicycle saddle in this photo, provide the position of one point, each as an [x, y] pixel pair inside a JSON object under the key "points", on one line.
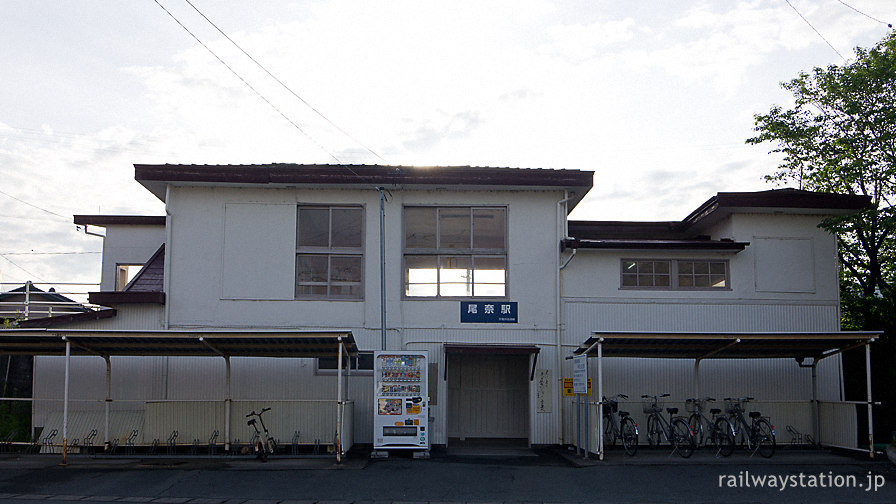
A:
{"points": [[755, 414], [715, 411], [623, 413], [672, 411]]}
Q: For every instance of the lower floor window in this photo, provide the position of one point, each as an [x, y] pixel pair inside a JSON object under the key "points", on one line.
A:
{"points": [[328, 275], [455, 275]]}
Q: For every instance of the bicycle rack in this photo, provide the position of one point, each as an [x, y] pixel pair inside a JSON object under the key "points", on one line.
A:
{"points": [[48, 439], [316, 450], [235, 447], [194, 448], [6, 444], [211, 442], [154, 449], [295, 443], [88, 441], [129, 443], [172, 443]]}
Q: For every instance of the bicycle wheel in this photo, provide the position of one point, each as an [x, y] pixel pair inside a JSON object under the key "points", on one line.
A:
{"points": [[260, 452], [723, 435], [764, 438], [696, 425], [682, 437], [609, 433], [653, 431], [629, 436]]}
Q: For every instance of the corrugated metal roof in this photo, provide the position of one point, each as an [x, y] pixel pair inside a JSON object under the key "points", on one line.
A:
{"points": [[233, 343], [725, 345]]}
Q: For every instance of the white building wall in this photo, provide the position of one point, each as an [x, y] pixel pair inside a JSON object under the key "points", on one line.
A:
{"points": [[785, 280], [128, 244]]}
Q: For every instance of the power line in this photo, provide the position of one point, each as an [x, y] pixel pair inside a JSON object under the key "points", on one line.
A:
{"points": [[319, 113], [34, 206], [23, 269], [32, 253], [234, 72], [238, 76], [815, 30], [889, 25]]}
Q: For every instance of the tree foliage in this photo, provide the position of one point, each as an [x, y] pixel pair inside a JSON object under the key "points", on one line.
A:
{"points": [[840, 136]]}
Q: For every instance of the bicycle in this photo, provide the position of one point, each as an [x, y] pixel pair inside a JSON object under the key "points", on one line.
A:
{"points": [[709, 431], [265, 444], [757, 435], [675, 431], [627, 429]]}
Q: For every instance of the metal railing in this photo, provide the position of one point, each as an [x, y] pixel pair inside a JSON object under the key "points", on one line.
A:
{"points": [[30, 302]]}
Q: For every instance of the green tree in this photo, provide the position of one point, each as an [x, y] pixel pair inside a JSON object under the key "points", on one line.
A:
{"points": [[840, 136]]}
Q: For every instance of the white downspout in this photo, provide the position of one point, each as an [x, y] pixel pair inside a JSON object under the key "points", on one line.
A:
{"points": [[166, 284], [558, 338]]}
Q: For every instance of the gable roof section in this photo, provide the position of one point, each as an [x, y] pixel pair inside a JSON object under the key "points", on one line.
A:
{"points": [[156, 177], [146, 287], [686, 234]]}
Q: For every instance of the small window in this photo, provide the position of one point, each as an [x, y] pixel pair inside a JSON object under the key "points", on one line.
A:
{"points": [[124, 273], [691, 274], [361, 362]]}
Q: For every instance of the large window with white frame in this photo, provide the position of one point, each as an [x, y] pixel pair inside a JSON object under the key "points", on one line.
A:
{"points": [[455, 251], [682, 274], [329, 252]]}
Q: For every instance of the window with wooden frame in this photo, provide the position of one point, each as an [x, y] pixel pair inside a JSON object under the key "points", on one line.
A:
{"points": [[329, 252], [675, 274], [455, 251]]}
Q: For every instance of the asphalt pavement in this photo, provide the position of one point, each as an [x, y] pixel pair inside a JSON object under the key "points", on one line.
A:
{"points": [[551, 475]]}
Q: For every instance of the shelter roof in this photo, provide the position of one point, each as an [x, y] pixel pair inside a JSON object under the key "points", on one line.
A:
{"points": [[196, 343], [722, 345]]}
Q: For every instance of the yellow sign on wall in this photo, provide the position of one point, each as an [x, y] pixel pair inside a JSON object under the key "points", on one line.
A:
{"points": [[567, 387]]}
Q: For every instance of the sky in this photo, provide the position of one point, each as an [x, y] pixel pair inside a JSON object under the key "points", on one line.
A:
{"points": [[656, 97]]}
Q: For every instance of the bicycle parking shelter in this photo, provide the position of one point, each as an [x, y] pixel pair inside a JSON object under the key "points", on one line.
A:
{"points": [[184, 343], [729, 345]]}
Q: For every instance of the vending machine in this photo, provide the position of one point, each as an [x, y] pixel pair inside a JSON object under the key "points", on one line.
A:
{"points": [[401, 400]]}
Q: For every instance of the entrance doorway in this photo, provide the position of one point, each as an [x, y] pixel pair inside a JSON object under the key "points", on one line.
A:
{"points": [[488, 397]]}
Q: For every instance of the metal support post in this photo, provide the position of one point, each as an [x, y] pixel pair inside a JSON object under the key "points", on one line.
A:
{"points": [[600, 398], [68, 358], [870, 416]]}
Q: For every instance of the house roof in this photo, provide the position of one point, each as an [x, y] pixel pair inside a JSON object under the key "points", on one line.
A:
{"points": [[156, 177], [686, 234], [51, 297]]}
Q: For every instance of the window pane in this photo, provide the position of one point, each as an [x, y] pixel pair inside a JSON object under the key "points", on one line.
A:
{"points": [[420, 227], [311, 268], [421, 276], [314, 227], [488, 228], [701, 281], [629, 280], [345, 269], [311, 290], [701, 268], [345, 291], [661, 267], [454, 228], [662, 280], [718, 281], [488, 276], [717, 268], [629, 267], [685, 281], [685, 267], [347, 227], [456, 276]]}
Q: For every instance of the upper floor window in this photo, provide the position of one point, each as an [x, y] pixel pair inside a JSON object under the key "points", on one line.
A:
{"points": [[329, 252], [455, 251], [675, 274]]}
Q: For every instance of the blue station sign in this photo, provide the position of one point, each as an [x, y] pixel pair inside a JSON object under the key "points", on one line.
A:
{"points": [[488, 312]]}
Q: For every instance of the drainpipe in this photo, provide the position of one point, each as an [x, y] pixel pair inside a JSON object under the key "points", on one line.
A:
{"points": [[558, 339], [167, 264]]}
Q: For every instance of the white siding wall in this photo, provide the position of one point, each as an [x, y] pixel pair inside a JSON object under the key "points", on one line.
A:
{"points": [[785, 280], [128, 245]]}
